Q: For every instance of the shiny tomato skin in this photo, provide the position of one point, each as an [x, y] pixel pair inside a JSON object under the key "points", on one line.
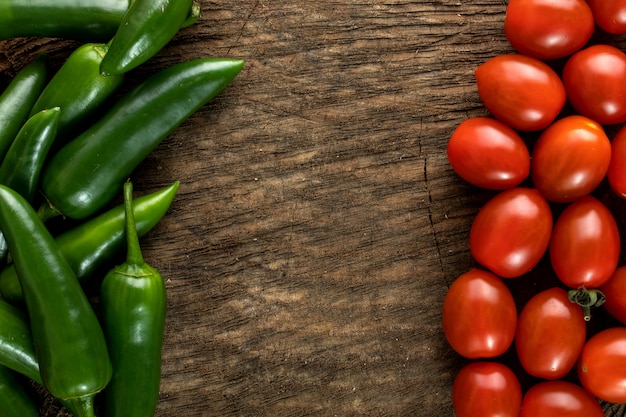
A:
{"points": [[551, 332], [486, 389], [487, 153], [602, 365], [523, 92], [614, 291], [570, 159], [548, 29], [595, 82], [585, 244], [609, 15], [616, 174], [561, 399], [511, 232], [479, 315]]}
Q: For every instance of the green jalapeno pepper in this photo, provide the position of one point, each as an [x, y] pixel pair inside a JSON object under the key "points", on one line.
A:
{"points": [[98, 242], [14, 399], [17, 350], [136, 39], [24, 160], [19, 97], [88, 20], [133, 304], [86, 173], [69, 342], [78, 89]]}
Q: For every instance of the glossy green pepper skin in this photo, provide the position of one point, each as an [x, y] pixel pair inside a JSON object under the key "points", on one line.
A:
{"points": [[17, 350], [87, 20], [18, 98], [136, 39], [97, 243], [24, 160], [14, 400], [133, 304], [85, 175], [78, 89], [71, 349]]}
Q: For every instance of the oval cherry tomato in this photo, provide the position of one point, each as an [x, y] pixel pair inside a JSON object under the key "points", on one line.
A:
{"points": [[487, 153], [570, 159], [602, 365], [595, 81], [609, 15], [585, 245], [551, 332], [511, 232], [479, 315], [614, 291], [616, 173], [548, 29], [559, 398], [486, 389], [521, 91]]}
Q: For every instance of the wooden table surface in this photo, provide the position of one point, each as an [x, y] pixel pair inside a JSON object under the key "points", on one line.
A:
{"points": [[318, 224]]}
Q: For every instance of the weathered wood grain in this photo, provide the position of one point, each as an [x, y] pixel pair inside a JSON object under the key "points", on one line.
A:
{"points": [[318, 223]]}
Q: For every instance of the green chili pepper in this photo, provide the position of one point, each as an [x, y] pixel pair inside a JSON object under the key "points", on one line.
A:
{"points": [[133, 304], [25, 158], [89, 20], [14, 399], [19, 97], [17, 350], [78, 89], [70, 345], [146, 28], [85, 174], [97, 243]]}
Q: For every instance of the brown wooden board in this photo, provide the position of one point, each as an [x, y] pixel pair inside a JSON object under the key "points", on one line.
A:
{"points": [[318, 224]]}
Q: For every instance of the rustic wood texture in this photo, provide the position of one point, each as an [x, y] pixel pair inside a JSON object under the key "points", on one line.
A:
{"points": [[318, 224]]}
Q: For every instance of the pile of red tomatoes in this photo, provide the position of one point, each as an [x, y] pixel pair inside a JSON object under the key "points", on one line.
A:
{"points": [[555, 134]]}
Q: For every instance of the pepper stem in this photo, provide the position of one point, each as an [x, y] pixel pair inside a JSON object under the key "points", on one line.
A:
{"points": [[586, 299], [134, 256]]}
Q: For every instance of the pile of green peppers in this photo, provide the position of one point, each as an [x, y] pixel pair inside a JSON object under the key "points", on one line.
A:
{"points": [[69, 145]]}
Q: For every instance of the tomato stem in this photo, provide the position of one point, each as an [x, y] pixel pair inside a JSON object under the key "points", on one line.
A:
{"points": [[586, 299]]}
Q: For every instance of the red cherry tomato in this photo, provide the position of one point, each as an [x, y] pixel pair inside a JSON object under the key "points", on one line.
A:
{"points": [[551, 332], [479, 315], [487, 153], [559, 398], [521, 91], [614, 291], [585, 245], [486, 389], [548, 29], [570, 159], [609, 15], [616, 173], [595, 81], [602, 365], [511, 233]]}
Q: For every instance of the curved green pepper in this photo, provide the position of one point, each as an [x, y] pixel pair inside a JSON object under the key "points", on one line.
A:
{"points": [[17, 350], [78, 89], [24, 160], [14, 399], [133, 304], [19, 97], [146, 28], [97, 243], [70, 345], [84, 175], [88, 20]]}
